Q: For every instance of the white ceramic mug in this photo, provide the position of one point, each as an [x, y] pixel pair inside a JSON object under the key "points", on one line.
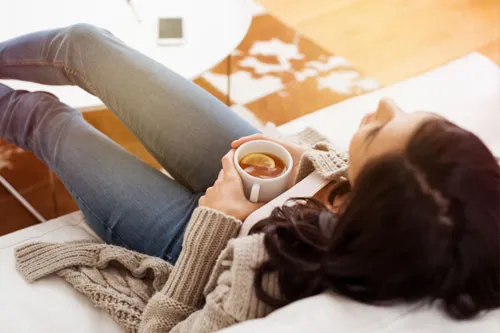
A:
{"points": [[259, 189]]}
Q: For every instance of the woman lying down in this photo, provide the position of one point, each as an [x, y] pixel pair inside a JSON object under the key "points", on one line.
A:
{"points": [[413, 217]]}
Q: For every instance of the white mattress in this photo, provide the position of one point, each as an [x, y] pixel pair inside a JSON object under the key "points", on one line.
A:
{"points": [[467, 91], [50, 305]]}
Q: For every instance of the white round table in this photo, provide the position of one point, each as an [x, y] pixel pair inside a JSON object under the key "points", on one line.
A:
{"points": [[212, 29]]}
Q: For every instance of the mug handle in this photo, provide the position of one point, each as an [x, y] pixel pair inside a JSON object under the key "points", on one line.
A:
{"points": [[254, 193]]}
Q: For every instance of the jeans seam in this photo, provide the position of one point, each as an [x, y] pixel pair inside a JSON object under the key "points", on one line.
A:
{"points": [[31, 139], [184, 178], [86, 206], [82, 77], [84, 203], [71, 71], [193, 203], [57, 64]]}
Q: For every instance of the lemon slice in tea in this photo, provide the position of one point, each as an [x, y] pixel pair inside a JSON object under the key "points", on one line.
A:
{"points": [[259, 159]]}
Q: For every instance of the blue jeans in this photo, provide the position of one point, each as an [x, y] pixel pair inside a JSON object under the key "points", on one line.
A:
{"points": [[127, 202]]}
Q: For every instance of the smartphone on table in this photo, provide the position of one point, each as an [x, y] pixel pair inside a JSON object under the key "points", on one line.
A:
{"points": [[170, 30]]}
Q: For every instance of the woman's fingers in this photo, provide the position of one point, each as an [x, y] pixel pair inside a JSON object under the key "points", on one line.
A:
{"points": [[228, 164], [220, 177], [259, 136]]}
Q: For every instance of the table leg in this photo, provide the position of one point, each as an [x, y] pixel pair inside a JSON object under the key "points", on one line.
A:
{"points": [[228, 100], [21, 199]]}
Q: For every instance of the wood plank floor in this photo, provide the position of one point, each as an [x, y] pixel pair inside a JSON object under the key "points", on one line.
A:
{"points": [[395, 39]]}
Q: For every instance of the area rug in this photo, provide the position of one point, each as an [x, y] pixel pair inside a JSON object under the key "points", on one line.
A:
{"points": [[276, 75]]}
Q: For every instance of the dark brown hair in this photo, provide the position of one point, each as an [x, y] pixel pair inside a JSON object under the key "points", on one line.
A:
{"points": [[419, 226]]}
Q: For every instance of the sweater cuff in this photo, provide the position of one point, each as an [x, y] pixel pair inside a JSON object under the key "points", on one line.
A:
{"points": [[209, 223], [307, 137], [36, 260], [206, 236], [324, 159]]}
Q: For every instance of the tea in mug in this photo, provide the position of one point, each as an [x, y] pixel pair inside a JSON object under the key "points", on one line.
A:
{"points": [[262, 165]]}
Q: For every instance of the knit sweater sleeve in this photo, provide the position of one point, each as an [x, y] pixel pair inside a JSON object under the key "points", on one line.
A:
{"points": [[230, 294], [323, 158], [207, 234]]}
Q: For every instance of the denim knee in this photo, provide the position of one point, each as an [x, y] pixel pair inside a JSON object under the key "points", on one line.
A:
{"points": [[84, 32], [27, 115]]}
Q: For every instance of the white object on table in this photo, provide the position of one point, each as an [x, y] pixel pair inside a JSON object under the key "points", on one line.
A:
{"points": [[212, 29]]}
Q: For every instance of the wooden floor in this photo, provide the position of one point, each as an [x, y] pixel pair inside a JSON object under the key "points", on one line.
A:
{"points": [[395, 39]]}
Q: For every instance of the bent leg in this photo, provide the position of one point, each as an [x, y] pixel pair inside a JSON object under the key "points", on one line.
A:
{"points": [[127, 202], [186, 129]]}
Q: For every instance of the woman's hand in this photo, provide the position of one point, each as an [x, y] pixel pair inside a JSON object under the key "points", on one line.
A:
{"points": [[226, 195], [295, 150]]}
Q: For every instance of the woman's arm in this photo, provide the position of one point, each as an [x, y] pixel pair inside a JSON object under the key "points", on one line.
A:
{"points": [[230, 296], [216, 220], [206, 236]]}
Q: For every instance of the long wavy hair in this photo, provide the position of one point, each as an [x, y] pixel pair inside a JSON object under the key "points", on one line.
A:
{"points": [[422, 225]]}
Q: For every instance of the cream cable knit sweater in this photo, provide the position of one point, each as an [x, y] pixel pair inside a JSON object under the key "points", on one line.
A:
{"points": [[209, 288]]}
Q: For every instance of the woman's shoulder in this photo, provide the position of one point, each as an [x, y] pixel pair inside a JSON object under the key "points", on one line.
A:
{"points": [[245, 253], [232, 280], [248, 249]]}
